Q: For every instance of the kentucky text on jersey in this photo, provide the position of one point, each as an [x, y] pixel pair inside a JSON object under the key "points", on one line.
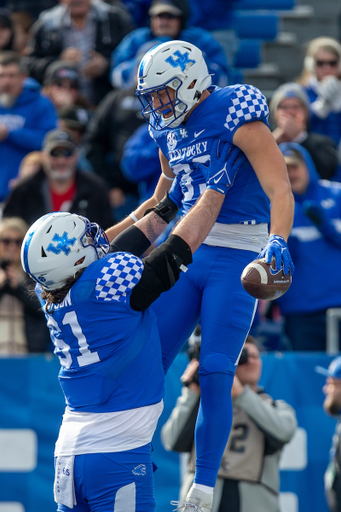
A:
{"points": [[189, 145], [196, 149]]}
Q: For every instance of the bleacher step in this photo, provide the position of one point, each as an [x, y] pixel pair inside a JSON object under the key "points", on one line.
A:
{"points": [[286, 52], [306, 25], [266, 76], [324, 9]]}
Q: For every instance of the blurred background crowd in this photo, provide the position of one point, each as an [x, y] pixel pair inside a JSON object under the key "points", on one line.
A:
{"points": [[72, 137]]}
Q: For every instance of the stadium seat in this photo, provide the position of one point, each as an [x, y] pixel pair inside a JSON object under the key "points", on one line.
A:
{"points": [[255, 25], [266, 4], [248, 54]]}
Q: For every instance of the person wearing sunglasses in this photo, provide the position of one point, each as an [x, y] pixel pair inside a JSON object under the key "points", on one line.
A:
{"points": [[321, 79], [22, 323], [60, 185], [62, 85]]}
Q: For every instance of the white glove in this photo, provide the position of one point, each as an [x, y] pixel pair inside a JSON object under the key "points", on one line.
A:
{"points": [[321, 108], [330, 91]]}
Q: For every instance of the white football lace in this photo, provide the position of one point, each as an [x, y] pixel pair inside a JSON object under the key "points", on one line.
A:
{"points": [[181, 505]]}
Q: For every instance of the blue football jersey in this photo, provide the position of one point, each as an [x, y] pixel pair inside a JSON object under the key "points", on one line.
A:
{"points": [[189, 145], [110, 355]]}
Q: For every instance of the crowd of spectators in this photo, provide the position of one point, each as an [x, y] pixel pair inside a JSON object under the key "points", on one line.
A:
{"points": [[72, 135]]}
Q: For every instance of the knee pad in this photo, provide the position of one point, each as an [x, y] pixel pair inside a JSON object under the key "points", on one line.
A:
{"points": [[217, 363]]}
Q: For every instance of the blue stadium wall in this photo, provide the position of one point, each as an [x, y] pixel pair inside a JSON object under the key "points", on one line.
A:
{"points": [[31, 408]]}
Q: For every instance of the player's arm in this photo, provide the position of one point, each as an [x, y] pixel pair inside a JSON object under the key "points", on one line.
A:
{"points": [[163, 186], [260, 147], [163, 265]]}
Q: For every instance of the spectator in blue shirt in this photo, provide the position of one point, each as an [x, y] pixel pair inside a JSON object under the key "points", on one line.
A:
{"points": [[168, 20], [25, 117], [315, 246]]}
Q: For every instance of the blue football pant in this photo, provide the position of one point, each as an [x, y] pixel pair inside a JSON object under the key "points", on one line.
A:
{"points": [[114, 482], [209, 292]]}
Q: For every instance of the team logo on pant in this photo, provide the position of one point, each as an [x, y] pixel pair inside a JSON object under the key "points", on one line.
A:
{"points": [[140, 470]]}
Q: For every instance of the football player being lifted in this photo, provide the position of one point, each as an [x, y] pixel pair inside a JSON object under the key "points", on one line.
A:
{"points": [[96, 305], [187, 116]]}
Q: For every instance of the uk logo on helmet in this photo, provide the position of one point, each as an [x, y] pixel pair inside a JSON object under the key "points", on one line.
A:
{"points": [[63, 243], [181, 60]]}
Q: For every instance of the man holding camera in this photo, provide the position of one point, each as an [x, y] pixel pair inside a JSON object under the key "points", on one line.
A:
{"points": [[248, 478]]}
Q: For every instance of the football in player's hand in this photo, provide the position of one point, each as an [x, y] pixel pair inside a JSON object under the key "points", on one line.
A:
{"points": [[262, 281]]}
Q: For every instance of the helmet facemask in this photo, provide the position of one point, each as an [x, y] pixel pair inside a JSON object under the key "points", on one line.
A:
{"points": [[173, 66], [95, 236], [178, 107]]}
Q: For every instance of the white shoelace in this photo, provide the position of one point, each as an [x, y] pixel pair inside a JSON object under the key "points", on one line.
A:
{"points": [[185, 506]]}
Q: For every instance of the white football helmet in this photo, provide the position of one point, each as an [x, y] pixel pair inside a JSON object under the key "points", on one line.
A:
{"points": [[175, 64], [55, 244]]}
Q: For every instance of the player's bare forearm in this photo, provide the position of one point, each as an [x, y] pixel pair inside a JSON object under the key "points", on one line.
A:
{"points": [[261, 149], [152, 226], [161, 188], [198, 222], [282, 212], [115, 230]]}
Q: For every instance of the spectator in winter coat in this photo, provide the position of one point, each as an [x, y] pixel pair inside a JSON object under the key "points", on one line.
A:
{"points": [[290, 110], [25, 117], [248, 478], [315, 245], [60, 186], [22, 322], [321, 79], [84, 33], [332, 407], [167, 21], [114, 121]]}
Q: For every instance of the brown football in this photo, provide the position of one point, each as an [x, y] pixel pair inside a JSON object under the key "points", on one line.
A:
{"points": [[261, 281]]}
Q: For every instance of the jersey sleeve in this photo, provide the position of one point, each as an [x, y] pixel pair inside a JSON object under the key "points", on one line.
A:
{"points": [[246, 104], [117, 278]]}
